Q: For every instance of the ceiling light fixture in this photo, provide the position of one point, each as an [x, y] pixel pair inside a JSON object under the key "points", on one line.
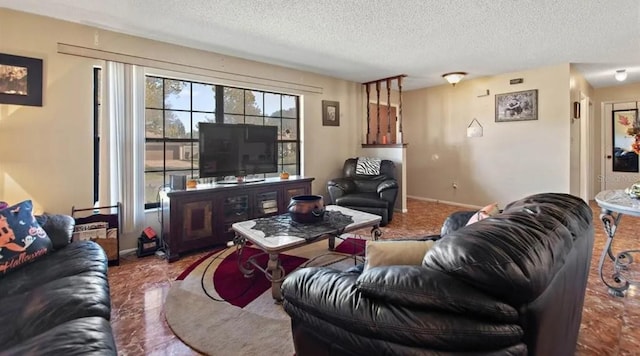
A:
{"points": [[454, 77], [621, 75]]}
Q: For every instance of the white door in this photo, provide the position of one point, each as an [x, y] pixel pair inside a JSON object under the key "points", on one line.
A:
{"points": [[620, 161]]}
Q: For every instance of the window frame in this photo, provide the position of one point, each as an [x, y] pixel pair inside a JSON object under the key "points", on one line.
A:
{"points": [[219, 117]]}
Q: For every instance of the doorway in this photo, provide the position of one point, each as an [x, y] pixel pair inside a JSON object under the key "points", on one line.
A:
{"points": [[620, 162]]}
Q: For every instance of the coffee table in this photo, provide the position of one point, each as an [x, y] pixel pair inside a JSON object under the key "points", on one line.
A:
{"points": [[615, 204], [276, 234]]}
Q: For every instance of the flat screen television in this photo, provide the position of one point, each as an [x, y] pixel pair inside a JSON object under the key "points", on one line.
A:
{"points": [[237, 149]]}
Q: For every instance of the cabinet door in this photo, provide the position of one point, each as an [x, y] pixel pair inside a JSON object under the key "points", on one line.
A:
{"points": [[197, 220], [235, 208]]}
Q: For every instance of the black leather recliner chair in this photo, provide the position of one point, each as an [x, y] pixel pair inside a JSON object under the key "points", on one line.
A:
{"points": [[375, 194], [512, 284]]}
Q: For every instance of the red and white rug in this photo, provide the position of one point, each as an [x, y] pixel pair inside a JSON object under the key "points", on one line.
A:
{"points": [[214, 309]]}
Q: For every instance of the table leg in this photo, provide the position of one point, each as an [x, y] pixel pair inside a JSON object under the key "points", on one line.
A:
{"points": [[376, 232], [244, 267], [610, 225], [275, 273]]}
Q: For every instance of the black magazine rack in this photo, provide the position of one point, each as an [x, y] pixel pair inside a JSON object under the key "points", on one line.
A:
{"points": [[102, 225]]}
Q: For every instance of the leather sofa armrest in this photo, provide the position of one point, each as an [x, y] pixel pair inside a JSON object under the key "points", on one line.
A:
{"points": [[58, 227], [419, 287], [335, 306], [338, 187], [386, 185], [345, 184], [456, 221]]}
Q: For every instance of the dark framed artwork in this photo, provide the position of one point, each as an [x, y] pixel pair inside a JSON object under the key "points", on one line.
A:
{"points": [[330, 113], [20, 80], [517, 106]]}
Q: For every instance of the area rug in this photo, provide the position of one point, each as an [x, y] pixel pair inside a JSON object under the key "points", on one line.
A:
{"points": [[215, 310]]}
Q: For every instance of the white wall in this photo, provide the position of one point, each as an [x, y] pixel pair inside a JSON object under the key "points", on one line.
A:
{"points": [[511, 160]]}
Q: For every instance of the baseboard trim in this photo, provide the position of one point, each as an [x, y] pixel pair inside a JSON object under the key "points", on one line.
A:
{"points": [[128, 251], [474, 207]]}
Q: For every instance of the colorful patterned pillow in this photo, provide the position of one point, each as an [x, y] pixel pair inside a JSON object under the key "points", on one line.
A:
{"points": [[22, 239]]}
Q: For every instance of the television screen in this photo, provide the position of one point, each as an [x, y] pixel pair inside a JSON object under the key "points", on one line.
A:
{"points": [[237, 149]]}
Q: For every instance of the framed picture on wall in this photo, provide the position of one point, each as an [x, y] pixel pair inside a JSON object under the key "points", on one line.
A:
{"points": [[517, 106], [20, 80], [330, 113]]}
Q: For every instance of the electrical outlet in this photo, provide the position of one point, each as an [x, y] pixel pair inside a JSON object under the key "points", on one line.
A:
{"points": [[454, 185]]}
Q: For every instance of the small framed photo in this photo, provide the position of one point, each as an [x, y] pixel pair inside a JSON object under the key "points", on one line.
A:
{"points": [[20, 80], [517, 106], [330, 113]]}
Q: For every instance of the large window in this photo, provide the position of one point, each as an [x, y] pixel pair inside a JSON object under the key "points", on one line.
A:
{"points": [[174, 108]]}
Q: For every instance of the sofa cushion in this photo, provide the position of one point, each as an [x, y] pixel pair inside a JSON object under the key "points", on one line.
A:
{"points": [[388, 253], [370, 199], [78, 257], [22, 239], [37, 310], [59, 228], [79, 337]]}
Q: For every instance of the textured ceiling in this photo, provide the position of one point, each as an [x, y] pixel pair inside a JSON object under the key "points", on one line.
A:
{"points": [[364, 40]]}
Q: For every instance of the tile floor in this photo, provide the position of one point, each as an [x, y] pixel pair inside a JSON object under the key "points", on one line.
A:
{"points": [[610, 326]]}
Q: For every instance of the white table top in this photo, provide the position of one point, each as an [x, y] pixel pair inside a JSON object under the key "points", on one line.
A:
{"points": [[618, 201], [283, 242]]}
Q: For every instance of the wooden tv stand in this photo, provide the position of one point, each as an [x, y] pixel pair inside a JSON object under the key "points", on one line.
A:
{"points": [[202, 217]]}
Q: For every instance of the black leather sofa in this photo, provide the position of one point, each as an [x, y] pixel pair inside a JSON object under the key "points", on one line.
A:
{"points": [[58, 304], [375, 194], [512, 284]]}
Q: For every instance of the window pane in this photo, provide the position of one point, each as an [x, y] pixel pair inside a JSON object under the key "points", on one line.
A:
{"points": [[272, 104], [288, 152], [233, 101], [204, 97], [197, 119], [273, 122], [289, 108], [178, 155], [153, 123], [253, 102], [153, 156], [152, 184], [177, 94], [289, 129], [153, 93], [175, 109], [177, 124], [291, 169], [254, 120], [233, 119], [188, 173]]}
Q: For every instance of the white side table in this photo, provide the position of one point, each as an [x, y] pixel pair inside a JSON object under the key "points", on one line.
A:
{"points": [[615, 204]]}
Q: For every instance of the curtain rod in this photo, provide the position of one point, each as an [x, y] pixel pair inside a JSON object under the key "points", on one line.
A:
{"points": [[74, 50]]}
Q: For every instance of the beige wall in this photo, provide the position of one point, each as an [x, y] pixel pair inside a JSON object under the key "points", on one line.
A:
{"points": [[51, 146], [47, 151], [511, 160]]}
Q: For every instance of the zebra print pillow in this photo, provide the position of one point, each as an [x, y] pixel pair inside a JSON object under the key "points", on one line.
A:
{"points": [[367, 166]]}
